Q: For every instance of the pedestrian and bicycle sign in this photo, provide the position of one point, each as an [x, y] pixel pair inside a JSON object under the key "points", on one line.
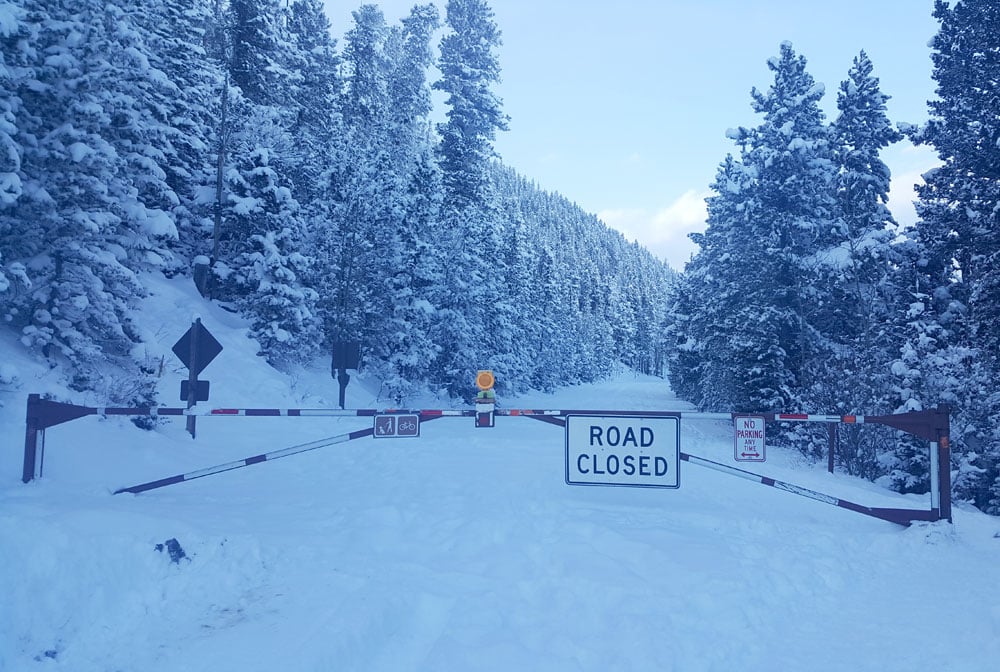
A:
{"points": [[388, 426]]}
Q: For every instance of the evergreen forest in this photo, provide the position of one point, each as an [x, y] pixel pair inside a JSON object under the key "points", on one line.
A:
{"points": [[309, 185]]}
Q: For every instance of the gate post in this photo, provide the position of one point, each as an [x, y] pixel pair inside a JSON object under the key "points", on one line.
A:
{"points": [[31, 432], [944, 460], [192, 396], [831, 442]]}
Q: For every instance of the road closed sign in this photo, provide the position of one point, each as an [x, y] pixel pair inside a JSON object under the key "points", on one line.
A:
{"points": [[633, 451]]}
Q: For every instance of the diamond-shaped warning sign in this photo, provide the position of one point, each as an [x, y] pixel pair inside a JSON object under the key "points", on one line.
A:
{"points": [[197, 347]]}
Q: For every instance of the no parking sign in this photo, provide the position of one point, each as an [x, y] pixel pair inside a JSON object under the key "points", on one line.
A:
{"points": [[748, 438]]}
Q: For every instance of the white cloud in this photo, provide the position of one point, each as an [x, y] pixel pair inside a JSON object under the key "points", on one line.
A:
{"points": [[908, 166], [664, 232], [901, 196]]}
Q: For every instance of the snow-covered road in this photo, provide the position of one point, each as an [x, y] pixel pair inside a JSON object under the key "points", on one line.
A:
{"points": [[463, 549]]}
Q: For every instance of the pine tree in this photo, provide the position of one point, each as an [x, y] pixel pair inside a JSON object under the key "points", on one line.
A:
{"points": [[318, 127], [958, 240], [858, 271], [769, 222], [266, 278], [257, 154], [469, 68], [470, 317], [93, 185], [363, 188], [791, 215], [15, 47], [256, 63], [708, 293], [185, 105], [279, 307], [411, 263], [10, 103]]}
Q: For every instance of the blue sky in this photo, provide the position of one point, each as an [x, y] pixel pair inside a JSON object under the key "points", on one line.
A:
{"points": [[623, 106]]}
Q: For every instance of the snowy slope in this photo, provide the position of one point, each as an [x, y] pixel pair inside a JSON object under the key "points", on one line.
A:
{"points": [[460, 550]]}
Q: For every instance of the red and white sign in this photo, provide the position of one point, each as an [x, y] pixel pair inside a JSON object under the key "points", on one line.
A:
{"points": [[748, 438]]}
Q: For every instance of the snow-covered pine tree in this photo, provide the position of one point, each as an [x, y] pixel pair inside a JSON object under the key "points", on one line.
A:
{"points": [[257, 52], [410, 57], [411, 267], [384, 196], [318, 127], [185, 103], [858, 273], [16, 43], [771, 217], [791, 214], [279, 306], [551, 342], [93, 187], [683, 356], [958, 240], [14, 39], [260, 260], [708, 293], [320, 149], [514, 360], [469, 69], [363, 196], [266, 273]]}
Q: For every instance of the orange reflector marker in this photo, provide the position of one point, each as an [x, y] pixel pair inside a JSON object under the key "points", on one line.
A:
{"points": [[485, 380], [849, 419]]}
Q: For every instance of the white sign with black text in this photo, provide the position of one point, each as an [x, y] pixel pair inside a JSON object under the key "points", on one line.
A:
{"points": [[634, 451], [748, 438]]}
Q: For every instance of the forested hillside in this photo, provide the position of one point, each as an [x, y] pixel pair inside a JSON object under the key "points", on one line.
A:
{"points": [[310, 185], [304, 184], [805, 294]]}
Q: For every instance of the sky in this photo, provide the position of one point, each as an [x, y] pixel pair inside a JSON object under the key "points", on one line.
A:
{"points": [[622, 107]]}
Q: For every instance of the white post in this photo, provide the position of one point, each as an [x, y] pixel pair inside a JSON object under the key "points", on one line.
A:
{"points": [[935, 478]]}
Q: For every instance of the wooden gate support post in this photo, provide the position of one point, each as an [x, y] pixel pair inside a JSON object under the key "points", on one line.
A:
{"points": [[943, 426], [831, 436], [40, 415], [31, 434]]}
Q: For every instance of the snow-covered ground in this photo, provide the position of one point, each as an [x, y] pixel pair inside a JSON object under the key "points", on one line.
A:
{"points": [[463, 549]]}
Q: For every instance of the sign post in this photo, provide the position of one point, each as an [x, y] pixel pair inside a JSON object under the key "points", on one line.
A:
{"points": [[748, 438], [346, 355], [196, 348], [486, 399], [623, 450]]}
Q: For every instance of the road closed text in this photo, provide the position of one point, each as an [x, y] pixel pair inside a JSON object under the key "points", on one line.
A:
{"points": [[627, 465], [637, 451]]}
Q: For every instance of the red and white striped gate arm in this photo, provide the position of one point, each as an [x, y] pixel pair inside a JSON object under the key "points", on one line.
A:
{"points": [[930, 424]]}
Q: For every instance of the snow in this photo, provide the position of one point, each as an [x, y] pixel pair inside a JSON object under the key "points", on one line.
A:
{"points": [[79, 151], [462, 549], [10, 16]]}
